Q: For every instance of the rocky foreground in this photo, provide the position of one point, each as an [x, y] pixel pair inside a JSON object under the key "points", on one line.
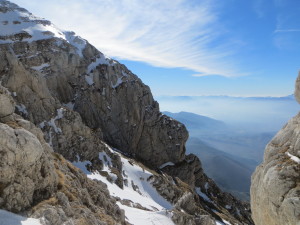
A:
{"points": [[275, 185], [79, 131]]}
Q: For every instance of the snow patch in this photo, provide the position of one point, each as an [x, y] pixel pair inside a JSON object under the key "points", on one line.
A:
{"points": [[22, 109], [294, 158], [166, 164], [8, 218], [42, 125], [51, 123], [124, 74], [34, 28], [206, 186], [69, 105], [223, 222], [59, 116], [119, 81], [40, 67], [23, 22], [203, 195], [228, 206], [107, 165], [136, 216], [76, 41], [82, 165], [89, 79], [137, 187], [100, 60]]}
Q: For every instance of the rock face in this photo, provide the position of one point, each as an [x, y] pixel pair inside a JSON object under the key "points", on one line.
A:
{"points": [[275, 188], [190, 171], [25, 169], [297, 89], [72, 103], [35, 179], [53, 71]]}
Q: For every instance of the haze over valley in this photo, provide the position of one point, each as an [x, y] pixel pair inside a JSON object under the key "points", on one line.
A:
{"points": [[149, 112], [231, 148]]}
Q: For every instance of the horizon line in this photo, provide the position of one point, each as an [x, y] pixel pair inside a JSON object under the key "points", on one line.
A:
{"points": [[231, 96]]}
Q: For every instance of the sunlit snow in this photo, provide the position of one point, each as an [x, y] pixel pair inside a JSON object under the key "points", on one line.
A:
{"points": [[8, 218], [137, 216], [137, 189], [294, 158], [16, 22], [166, 164]]}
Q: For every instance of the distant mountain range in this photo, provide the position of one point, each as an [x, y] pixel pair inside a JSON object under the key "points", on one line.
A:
{"points": [[288, 97], [246, 114], [197, 122], [228, 155]]}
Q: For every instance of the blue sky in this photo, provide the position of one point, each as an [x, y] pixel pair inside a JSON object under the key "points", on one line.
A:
{"points": [[191, 47]]}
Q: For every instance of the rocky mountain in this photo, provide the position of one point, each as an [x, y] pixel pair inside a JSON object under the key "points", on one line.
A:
{"points": [[229, 156], [275, 188], [198, 124], [231, 173], [83, 142]]}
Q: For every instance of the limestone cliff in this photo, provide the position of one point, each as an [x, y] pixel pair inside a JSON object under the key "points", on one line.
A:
{"points": [[42, 183], [85, 108], [275, 188]]}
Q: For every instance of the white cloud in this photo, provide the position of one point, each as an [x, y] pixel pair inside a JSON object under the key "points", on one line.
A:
{"points": [[177, 33], [286, 34]]}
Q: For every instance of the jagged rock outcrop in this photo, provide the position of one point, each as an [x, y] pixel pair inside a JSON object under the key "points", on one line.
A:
{"points": [[297, 89], [25, 169], [275, 186], [49, 72], [78, 101], [36, 181], [191, 172]]}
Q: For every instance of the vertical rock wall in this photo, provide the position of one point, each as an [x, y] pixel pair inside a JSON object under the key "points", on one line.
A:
{"points": [[275, 186]]}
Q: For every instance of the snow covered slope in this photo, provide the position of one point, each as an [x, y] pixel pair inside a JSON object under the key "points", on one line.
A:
{"points": [[8, 218], [18, 24], [82, 100], [140, 200]]}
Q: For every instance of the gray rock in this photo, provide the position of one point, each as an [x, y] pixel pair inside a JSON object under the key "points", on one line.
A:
{"points": [[117, 102], [275, 193], [81, 101], [7, 104], [297, 88], [275, 186], [26, 174], [40, 183], [212, 199]]}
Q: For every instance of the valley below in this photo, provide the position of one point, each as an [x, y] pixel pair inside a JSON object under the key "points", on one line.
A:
{"points": [[229, 153]]}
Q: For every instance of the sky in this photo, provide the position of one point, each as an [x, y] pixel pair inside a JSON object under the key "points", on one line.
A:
{"points": [[254, 114], [191, 47]]}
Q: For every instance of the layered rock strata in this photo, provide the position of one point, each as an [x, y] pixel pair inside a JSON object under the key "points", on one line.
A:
{"points": [[275, 185], [77, 101], [36, 180]]}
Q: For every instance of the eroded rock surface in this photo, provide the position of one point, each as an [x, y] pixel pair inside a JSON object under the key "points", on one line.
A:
{"points": [[36, 181], [78, 102], [275, 186]]}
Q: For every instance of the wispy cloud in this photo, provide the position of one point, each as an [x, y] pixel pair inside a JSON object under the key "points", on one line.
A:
{"points": [[286, 34], [177, 33]]}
